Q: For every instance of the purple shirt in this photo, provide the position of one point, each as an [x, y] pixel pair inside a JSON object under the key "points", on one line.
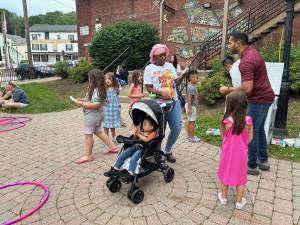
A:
{"points": [[253, 67]]}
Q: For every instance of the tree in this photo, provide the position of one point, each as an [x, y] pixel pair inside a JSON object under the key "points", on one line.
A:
{"points": [[112, 40], [15, 23], [56, 17]]}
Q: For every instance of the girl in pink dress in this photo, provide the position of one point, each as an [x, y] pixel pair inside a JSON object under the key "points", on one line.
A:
{"points": [[237, 133], [135, 90]]}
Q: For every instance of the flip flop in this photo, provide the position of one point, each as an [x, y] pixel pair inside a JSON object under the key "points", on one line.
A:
{"points": [[80, 161], [112, 151]]}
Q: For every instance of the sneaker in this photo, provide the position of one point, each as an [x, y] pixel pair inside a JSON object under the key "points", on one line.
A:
{"points": [[197, 139], [240, 205], [114, 140], [222, 200], [253, 171], [111, 173], [170, 158], [128, 177], [193, 139], [263, 166]]}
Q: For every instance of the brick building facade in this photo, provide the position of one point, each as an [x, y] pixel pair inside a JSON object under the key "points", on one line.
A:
{"points": [[192, 22]]}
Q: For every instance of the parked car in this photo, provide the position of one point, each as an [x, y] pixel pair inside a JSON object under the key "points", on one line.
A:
{"points": [[44, 71], [23, 71]]}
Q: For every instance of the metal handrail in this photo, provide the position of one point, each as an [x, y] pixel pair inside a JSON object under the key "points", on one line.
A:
{"points": [[247, 22], [115, 59]]}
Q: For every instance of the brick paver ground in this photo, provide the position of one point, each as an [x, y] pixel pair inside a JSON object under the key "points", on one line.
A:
{"points": [[45, 151]]}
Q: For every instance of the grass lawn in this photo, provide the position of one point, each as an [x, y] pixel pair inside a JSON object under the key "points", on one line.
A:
{"points": [[211, 117], [50, 96]]}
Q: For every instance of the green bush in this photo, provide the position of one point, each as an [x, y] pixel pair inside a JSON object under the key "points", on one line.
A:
{"points": [[295, 68], [209, 88], [79, 74], [271, 52], [61, 69], [112, 40]]}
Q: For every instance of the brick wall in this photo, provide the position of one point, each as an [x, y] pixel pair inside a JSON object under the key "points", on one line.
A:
{"points": [[145, 10]]}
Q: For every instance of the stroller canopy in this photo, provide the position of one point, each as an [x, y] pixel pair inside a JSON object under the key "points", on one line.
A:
{"points": [[148, 108]]}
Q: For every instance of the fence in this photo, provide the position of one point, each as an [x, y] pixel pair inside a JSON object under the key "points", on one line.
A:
{"points": [[26, 73]]}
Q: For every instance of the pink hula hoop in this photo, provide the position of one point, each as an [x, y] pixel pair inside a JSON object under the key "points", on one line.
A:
{"points": [[43, 201], [11, 120]]}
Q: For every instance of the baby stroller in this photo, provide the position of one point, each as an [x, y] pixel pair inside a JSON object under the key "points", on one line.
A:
{"points": [[151, 159]]}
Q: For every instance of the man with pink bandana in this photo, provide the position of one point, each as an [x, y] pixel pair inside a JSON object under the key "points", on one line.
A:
{"points": [[160, 78]]}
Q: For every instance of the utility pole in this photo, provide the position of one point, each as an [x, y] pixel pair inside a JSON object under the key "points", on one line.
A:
{"points": [[280, 129], [26, 23], [224, 32], [161, 20]]}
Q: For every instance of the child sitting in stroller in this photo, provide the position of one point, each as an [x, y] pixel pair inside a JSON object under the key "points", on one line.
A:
{"points": [[147, 133]]}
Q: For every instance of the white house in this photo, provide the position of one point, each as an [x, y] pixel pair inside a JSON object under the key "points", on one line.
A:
{"points": [[53, 43], [16, 49]]}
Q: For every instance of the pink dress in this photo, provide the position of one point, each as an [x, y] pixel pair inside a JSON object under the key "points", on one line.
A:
{"points": [[135, 91], [234, 156]]}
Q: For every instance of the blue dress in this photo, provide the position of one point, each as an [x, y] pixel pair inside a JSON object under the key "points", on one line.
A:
{"points": [[112, 110]]}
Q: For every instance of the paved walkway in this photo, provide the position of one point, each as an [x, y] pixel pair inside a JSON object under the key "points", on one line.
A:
{"points": [[45, 151]]}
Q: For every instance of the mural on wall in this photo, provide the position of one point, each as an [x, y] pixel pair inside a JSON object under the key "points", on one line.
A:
{"points": [[200, 34], [199, 15], [179, 35], [210, 32], [197, 49], [234, 11], [184, 52]]}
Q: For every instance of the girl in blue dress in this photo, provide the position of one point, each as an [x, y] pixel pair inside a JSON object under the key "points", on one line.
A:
{"points": [[112, 118]]}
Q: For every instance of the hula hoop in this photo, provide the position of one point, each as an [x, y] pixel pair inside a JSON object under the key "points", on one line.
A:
{"points": [[11, 120], [43, 201]]}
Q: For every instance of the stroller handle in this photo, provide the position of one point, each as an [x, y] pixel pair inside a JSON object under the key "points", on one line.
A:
{"points": [[169, 106]]}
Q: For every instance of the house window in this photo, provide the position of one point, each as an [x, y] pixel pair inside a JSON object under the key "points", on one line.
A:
{"points": [[44, 58], [43, 47], [58, 37], [35, 36], [71, 37], [69, 47], [35, 47], [47, 35], [36, 58], [57, 58]]}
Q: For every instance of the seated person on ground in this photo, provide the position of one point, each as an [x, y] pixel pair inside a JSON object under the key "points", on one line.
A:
{"points": [[19, 98], [6, 94], [122, 75], [147, 133]]}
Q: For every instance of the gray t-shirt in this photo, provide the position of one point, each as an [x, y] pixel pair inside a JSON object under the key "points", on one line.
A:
{"points": [[19, 96], [192, 90], [93, 117]]}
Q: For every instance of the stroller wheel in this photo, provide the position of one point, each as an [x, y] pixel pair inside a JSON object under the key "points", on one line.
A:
{"points": [[108, 181], [137, 196], [169, 175], [114, 185]]}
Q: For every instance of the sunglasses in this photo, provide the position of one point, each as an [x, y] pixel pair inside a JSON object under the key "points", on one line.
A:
{"points": [[162, 55]]}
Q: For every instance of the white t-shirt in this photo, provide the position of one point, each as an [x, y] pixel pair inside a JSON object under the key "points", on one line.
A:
{"points": [[235, 74], [162, 78]]}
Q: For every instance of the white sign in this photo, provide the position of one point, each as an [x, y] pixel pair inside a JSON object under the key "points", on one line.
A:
{"points": [[275, 72], [98, 26], [84, 30]]}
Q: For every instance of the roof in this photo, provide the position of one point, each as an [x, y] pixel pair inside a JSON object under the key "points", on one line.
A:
{"points": [[52, 28], [15, 39]]}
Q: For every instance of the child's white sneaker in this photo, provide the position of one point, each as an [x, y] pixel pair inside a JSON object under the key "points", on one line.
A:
{"points": [[221, 199], [240, 205]]}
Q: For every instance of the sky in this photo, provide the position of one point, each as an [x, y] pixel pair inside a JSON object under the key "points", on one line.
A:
{"points": [[36, 7]]}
